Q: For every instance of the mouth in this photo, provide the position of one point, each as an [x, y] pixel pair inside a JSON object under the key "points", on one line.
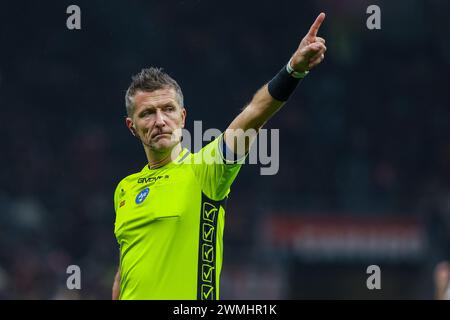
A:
{"points": [[161, 135]]}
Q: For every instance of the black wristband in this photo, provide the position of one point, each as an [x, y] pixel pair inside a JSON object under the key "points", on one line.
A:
{"points": [[282, 85]]}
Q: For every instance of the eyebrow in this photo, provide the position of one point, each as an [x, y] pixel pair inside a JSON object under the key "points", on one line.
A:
{"points": [[152, 107]]}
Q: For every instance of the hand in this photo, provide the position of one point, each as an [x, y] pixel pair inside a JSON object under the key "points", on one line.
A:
{"points": [[442, 276], [311, 50]]}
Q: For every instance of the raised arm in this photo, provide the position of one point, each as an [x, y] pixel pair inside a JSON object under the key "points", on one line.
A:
{"points": [[272, 96]]}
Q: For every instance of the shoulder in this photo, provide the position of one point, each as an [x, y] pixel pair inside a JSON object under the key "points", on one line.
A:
{"points": [[130, 179]]}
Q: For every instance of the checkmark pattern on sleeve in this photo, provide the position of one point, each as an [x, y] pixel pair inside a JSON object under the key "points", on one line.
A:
{"points": [[209, 212], [207, 272], [208, 232], [207, 292], [207, 251]]}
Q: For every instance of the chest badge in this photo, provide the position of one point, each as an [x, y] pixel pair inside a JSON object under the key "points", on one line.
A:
{"points": [[142, 195]]}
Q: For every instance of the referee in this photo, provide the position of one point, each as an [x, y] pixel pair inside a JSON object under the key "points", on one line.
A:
{"points": [[170, 216]]}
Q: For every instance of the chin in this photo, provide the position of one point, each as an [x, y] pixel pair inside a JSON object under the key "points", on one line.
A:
{"points": [[163, 144]]}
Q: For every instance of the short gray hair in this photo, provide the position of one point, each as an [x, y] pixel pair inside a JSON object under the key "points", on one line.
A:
{"points": [[149, 80]]}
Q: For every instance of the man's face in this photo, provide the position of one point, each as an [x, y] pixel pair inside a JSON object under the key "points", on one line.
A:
{"points": [[155, 118]]}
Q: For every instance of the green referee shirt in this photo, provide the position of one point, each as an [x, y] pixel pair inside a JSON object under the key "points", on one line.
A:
{"points": [[169, 226]]}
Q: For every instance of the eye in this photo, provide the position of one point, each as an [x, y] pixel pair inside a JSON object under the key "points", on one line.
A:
{"points": [[146, 113], [169, 108]]}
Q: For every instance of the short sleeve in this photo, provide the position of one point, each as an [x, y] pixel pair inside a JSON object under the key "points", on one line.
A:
{"points": [[214, 173]]}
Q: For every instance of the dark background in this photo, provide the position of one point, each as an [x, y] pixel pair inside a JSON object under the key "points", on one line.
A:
{"points": [[365, 136]]}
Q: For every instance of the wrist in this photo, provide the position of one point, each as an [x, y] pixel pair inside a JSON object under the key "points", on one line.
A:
{"points": [[283, 85], [293, 73]]}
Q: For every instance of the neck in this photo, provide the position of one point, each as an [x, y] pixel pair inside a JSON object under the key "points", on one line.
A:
{"points": [[159, 159]]}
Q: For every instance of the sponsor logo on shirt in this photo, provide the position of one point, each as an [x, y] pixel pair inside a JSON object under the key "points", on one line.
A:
{"points": [[152, 179], [142, 195]]}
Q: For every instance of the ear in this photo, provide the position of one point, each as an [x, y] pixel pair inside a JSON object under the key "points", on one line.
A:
{"points": [[130, 125], [183, 115]]}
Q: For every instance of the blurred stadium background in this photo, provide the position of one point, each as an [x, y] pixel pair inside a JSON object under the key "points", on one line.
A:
{"points": [[364, 143]]}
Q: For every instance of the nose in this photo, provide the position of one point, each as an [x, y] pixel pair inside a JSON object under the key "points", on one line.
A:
{"points": [[159, 120]]}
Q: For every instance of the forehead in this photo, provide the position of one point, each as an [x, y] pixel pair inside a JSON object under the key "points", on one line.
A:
{"points": [[155, 98]]}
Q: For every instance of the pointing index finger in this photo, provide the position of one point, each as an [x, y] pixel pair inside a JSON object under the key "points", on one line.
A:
{"points": [[316, 25]]}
